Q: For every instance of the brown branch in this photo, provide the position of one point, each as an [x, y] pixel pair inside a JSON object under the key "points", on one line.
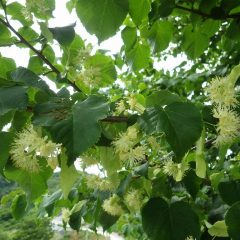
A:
{"points": [[115, 119], [39, 54]]}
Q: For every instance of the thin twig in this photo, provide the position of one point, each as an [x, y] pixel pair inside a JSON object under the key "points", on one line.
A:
{"points": [[198, 12], [39, 54]]}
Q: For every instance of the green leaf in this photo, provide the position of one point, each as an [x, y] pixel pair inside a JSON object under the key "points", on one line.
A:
{"points": [[129, 37], [50, 200], [161, 98], [233, 31], [232, 221], [165, 7], [13, 98], [138, 57], [160, 35], [102, 18], [18, 206], [176, 221], [218, 229], [229, 191], [228, 5], [5, 143], [68, 176], [139, 10], [7, 65], [86, 129], [106, 220], [109, 160], [194, 43], [24, 76], [35, 64], [29, 34], [34, 184], [181, 122], [192, 183], [16, 10], [64, 35], [105, 66], [62, 132], [201, 166]]}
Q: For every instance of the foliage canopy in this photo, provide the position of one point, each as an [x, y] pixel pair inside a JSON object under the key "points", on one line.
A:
{"points": [[166, 142]]}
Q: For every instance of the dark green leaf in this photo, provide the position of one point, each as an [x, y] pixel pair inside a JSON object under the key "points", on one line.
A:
{"points": [[5, 143], [102, 18], [232, 221], [161, 98], [64, 35], [24, 76], [12, 98], [18, 206], [106, 220], [86, 129], [75, 220], [229, 191], [181, 123], [169, 222], [166, 7]]}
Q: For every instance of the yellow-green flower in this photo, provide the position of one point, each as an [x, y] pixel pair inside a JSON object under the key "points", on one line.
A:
{"points": [[134, 200], [176, 170], [228, 125], [66, 215], [112, 206], [28, 146], [221, 92]]}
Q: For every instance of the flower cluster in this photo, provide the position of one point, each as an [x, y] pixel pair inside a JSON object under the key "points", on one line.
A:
{"points": [[222, 94], [66, 215], [175, 170], [135, 105], [90, 76], [134, 199], [124, 145], [39, 6], [81, 55], [103, 184], [228, 125], [112, 206], [28, 146]]}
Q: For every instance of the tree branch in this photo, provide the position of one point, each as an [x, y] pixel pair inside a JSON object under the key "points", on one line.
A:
{"points": [[39, 54], [115, 119], [200, 13]]}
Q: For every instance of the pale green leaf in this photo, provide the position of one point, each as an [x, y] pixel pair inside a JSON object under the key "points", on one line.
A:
{"points": [[218, 229], [68, 176]]}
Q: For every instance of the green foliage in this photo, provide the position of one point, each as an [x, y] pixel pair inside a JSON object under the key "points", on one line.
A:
{"points": [[164, 147]]}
